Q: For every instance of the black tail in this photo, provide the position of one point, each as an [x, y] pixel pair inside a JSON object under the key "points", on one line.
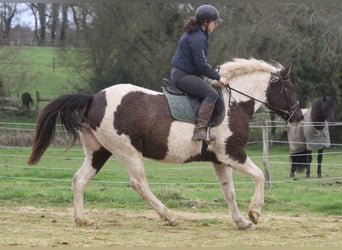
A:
{"points": [[71, 109], [299, 161]]}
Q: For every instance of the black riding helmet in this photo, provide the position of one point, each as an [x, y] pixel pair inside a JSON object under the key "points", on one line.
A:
{"points": [[207, 12]]}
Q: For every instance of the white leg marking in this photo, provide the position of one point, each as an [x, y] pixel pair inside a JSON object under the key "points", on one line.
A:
{"points": [[83, 176], [225, 177], [136, 171], [257, 200], [80, 181]]}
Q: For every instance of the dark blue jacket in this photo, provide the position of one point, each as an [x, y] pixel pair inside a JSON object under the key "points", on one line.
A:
{"points": [[191, 55]]}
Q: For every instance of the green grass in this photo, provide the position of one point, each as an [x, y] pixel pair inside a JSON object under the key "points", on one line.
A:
{"points": [[43, 69], [180, 186], [188, 186]]}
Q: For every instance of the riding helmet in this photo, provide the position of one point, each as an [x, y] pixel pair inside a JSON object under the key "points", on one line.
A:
{"points": [[207, 12]]}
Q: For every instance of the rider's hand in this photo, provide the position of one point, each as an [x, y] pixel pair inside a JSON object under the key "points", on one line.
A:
{"points": [[224, 80]]}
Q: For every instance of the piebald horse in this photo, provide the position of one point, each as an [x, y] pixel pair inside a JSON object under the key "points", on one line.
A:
{"points": [[131, 122]]}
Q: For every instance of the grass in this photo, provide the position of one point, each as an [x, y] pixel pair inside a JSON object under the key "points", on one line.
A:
{"points": [[188, 186], [43, 69]]}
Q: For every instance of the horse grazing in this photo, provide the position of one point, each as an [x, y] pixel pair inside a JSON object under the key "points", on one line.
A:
{"points": [[311, 134], [131, 122]]}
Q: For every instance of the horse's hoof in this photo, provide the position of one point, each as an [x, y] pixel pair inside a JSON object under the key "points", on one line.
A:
{"points": [[245, 225], [175, 222], [254, 216], [85, 222], [250, 227]]}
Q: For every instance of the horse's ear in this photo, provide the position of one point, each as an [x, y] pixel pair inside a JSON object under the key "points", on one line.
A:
{"points": [[288, 71]]}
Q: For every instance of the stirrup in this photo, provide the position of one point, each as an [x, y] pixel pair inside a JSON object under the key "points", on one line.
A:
{"points": [[208, 139]]}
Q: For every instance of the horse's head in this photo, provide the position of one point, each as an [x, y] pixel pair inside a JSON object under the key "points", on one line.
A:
{"points": [[324, 108], [281, 96]]}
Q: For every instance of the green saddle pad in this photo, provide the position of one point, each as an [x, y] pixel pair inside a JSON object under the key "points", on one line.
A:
{"points": [[184, 108]]}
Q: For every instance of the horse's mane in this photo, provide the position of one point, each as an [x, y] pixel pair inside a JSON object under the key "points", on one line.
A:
{"points": [[240, 66]]}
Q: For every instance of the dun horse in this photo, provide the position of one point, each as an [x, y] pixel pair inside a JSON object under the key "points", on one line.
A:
{"points": [[131, 122], [311, 134]]}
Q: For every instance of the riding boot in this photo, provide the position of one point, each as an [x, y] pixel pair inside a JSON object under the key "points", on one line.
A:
{"points": [[201, 131]]}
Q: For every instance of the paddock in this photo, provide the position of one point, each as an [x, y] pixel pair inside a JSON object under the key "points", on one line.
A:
{"points": [[36, 202], [53, 227]]}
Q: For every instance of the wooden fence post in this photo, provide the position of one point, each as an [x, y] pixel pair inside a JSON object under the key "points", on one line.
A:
{"points": [[265, 141], [38, 100], [37, 103]]}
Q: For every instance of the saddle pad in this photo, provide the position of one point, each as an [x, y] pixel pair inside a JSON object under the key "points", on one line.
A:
{"points": [[184, 108]]}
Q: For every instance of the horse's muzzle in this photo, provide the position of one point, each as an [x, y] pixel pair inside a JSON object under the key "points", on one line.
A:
{"points": [[296, 116]]}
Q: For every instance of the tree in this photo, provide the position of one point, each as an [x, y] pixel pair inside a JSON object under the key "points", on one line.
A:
{"points": [[64, 23], [54, 21], [128, 42], [39, 13], [7, 12]]}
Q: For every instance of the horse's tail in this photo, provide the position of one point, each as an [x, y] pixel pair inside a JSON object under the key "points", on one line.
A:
{"points": [[299, 160], [72, 109]]}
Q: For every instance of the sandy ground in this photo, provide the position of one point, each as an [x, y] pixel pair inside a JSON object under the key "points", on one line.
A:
{"points": [[53, 227]]}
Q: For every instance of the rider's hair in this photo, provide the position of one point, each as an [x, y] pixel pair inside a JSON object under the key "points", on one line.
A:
{"points": [[191, 25]]}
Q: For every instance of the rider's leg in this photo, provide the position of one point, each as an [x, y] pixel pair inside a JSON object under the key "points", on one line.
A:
{"points": [[196, 86]]}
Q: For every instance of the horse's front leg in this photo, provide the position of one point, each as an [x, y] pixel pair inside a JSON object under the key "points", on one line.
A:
{"points": [[225, 177], [319, 162], [257, 201]]}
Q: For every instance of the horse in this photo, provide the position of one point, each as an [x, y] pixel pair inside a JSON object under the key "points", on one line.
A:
{"points": [[132, 123], [26, 100], [311, 134]]}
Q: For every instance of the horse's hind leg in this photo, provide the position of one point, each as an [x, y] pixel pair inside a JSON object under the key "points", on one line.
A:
{"points": [[319, 163], [308, 161], [136, 171], [95, 157], [225, 177], [293, 166]]}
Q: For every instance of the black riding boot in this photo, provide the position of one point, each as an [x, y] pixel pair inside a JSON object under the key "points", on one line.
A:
{"points": [[203, 117]]}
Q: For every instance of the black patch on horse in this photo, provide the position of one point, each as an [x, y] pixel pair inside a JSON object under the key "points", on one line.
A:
{"points": [[239, 115]]}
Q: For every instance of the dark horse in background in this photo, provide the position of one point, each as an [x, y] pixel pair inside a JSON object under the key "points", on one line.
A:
{"points": [[311, 134]]}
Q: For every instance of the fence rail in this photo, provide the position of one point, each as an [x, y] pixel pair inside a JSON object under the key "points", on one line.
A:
{"points": [[25, 131]]}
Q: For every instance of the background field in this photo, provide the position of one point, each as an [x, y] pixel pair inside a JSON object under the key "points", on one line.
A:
{"points": [[43, 69], [36, 201]]}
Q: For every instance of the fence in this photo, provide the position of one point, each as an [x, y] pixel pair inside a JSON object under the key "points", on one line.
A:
{"points": [[13, 158]]}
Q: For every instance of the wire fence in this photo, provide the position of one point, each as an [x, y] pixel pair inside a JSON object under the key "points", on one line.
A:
{"points": [[13, 160]]}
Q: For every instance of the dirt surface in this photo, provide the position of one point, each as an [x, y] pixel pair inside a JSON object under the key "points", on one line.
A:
{"points": [[47, 227]]}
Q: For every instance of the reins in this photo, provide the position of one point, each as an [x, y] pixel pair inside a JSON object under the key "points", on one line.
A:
{"points": [[289, 112]]}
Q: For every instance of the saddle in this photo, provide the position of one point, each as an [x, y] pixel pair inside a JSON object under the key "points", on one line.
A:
{"points": [[184, 107]]}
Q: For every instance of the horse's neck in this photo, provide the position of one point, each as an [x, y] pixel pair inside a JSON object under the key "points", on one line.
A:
{"points": [[253, 84], [316, 116]]}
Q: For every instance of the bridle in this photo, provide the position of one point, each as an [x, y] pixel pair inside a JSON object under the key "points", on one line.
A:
{"points": [[288, 113]]}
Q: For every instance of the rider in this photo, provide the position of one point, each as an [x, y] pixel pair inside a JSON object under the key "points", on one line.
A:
{"points": [[190, 64]]}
